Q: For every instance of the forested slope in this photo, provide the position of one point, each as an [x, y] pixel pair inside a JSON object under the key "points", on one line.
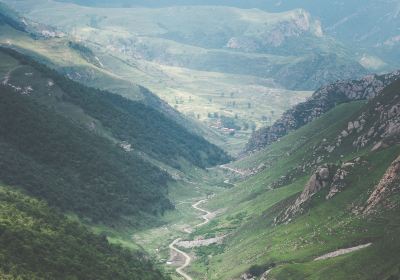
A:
{"points": [[36, 242], [80, 148]]}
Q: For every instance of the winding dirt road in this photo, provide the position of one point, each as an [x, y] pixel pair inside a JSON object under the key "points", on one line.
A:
{"points": [[207, 213], [188, 259]]}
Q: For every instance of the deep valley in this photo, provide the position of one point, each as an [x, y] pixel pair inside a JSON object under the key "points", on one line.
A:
{"points": [[242, 140]]}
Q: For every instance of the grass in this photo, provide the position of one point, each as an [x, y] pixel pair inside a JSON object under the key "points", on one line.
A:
{"points": [[329, 226], [251, 207]]}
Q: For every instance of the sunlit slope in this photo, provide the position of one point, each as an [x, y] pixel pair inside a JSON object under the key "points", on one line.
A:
{"points": [[267, 232]]}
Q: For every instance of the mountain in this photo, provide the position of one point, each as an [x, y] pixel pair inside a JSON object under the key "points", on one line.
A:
{"points": [[72, 153], [95, 144], [167, 36], [322, 203], [370, 26], [89, 157], [59, 51], [250, 69], [37, 242], [319, 103]]}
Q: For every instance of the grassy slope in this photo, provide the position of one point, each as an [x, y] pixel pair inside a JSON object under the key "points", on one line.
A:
{"points": [[251, 207]]}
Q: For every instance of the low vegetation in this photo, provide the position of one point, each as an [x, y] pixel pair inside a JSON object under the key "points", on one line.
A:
{"points": [[259, 241]]}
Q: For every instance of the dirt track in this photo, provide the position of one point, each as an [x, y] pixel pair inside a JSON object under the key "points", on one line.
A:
{"points": [[188, 259]]}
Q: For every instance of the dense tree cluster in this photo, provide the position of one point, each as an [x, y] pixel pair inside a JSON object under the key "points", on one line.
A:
{"points": [[70, 167], [147, 129], [36, 242], [55, 158]]}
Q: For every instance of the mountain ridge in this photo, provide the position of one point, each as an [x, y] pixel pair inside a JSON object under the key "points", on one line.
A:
{"points": [[321, 101]]}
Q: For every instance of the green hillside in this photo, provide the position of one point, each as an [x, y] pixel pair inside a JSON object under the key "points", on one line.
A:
{"points": [[90, 157], [142, 126], [71, 168], [268, 229], [83, 167], [63, 53], [36, 242]]}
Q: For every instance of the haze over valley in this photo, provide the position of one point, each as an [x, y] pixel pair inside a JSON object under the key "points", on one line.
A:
{"points": [[180, 139]]}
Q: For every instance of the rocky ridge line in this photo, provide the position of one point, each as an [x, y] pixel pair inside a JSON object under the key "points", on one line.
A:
{"points": [[319, 103]]}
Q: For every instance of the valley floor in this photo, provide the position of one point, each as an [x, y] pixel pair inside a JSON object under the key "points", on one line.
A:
{"points": [[166, 243], [172, 246]]}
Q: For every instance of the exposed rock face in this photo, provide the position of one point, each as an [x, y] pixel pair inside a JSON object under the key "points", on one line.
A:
{"points": [[388, 185], [382, 123], [326, 176], [265, 276], [322, 101], [247, 276], [319, 180], [339, 179]]}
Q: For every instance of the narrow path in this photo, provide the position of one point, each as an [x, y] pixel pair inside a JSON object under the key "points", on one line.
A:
{"points": [[205, 217], [188, 259]]}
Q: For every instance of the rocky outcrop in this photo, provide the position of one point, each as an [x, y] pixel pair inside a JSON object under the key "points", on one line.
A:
{"points": [[388, 185], [380, 125], [319, 180], [376, 127], [325, 176], [339, 179], [322, 101], [247, 276]]}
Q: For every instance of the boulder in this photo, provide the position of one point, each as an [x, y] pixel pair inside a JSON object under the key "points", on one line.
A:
{"points": [[344, 133], [319, 180], [350, 126]]}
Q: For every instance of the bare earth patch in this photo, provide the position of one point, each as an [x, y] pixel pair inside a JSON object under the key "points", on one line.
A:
{"points": [[341, 252]]}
